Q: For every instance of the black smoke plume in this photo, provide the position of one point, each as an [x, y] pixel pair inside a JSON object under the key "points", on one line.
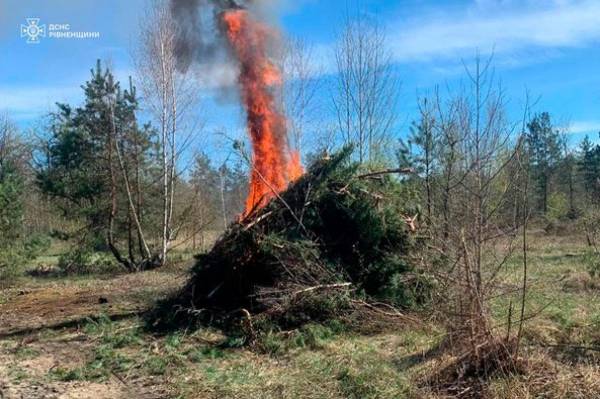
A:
{"points": [[199, 38]]}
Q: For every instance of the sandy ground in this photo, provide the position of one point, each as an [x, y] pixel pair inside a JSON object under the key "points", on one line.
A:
{"points": [[39, 333], [28, 378], [58, 303]]}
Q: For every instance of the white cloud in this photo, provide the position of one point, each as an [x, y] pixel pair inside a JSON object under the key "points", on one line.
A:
{"points": [[520, 32], [580, 127], [508, 27]]}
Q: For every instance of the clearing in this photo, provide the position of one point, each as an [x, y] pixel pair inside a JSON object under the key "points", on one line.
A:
{"points": [[83, 337]]}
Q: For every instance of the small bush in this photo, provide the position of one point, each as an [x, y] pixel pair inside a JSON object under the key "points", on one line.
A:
{"points": [[313, 336], [106, 362], [212, 352], [590, 225], [157, 365], [11, 264], [558, 207], [170, 355], [107, 358], [105, 328], [13, 258], [592, 263], [67, 375], [83, 261], [36, 245]]}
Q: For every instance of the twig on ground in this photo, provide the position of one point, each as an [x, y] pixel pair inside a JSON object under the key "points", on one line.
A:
{"points": [[321, 287], [394, 313]]}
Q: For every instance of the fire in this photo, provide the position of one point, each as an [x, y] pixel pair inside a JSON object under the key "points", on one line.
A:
{"points": [[274, 166], [295, 169]]}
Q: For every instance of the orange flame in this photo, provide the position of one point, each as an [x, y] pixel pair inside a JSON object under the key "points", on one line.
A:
{"points": [[295, 168], [273, 164]]}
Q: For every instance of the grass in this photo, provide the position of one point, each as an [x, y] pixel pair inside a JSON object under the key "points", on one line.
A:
{"points": [[326, 361], [565, 307], [106, 358], [315, 362], [342, 367]]}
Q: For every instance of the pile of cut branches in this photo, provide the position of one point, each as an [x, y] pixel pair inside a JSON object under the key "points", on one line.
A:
{"points": [[335, 240]]}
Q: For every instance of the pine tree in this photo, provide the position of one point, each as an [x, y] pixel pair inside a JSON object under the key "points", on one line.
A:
{"points": [[12, 192], [422, 158], [206, 184], [98, 166], [11, 204], [544, 153], [589, 167]]}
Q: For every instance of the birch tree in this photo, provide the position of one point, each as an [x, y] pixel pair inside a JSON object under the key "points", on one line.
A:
{"points": [[365, 90], [169, 95], [299, 92]]}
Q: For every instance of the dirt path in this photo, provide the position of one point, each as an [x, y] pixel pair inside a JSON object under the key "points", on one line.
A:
{"points": [[25, 368], [39, 334], [58, 304]]}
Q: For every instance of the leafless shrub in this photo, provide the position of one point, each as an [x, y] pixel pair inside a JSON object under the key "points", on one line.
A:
{"points": [[477, 175]]}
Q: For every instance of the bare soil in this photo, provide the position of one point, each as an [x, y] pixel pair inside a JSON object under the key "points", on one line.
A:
{"points": [[40, 331], [57, 304]]}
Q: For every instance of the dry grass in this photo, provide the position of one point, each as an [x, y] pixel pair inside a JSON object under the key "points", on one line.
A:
{"points": [[113, 359], [44, 303]]}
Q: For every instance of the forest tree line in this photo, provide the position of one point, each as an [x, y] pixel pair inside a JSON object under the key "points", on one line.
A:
{"points": [[121, 191]]}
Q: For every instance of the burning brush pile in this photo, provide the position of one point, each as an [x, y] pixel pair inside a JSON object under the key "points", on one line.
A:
{"points": [[333, 245], [309, 246]]}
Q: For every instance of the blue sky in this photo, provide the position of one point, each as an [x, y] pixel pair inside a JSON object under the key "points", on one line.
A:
{"points": [[549, 47]]}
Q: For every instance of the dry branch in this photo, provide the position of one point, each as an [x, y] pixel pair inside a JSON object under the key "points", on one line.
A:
{"points": [[321, 287], [404, 171]]}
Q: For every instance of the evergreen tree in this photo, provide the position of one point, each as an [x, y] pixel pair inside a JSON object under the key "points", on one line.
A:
{"points": [[236, 187], [98, 166], [589, 167], [11, 204], [205, 181], [12, 192], [569, 180], [544, 153], [422, 158], [13, 164], [75, 168]]}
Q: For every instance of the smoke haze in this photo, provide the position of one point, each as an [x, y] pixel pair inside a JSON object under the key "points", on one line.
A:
{"points": [[209, 30], [199, 39]]}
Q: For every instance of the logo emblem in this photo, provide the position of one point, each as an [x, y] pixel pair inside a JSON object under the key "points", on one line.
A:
{"points": [[33, 30]]}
